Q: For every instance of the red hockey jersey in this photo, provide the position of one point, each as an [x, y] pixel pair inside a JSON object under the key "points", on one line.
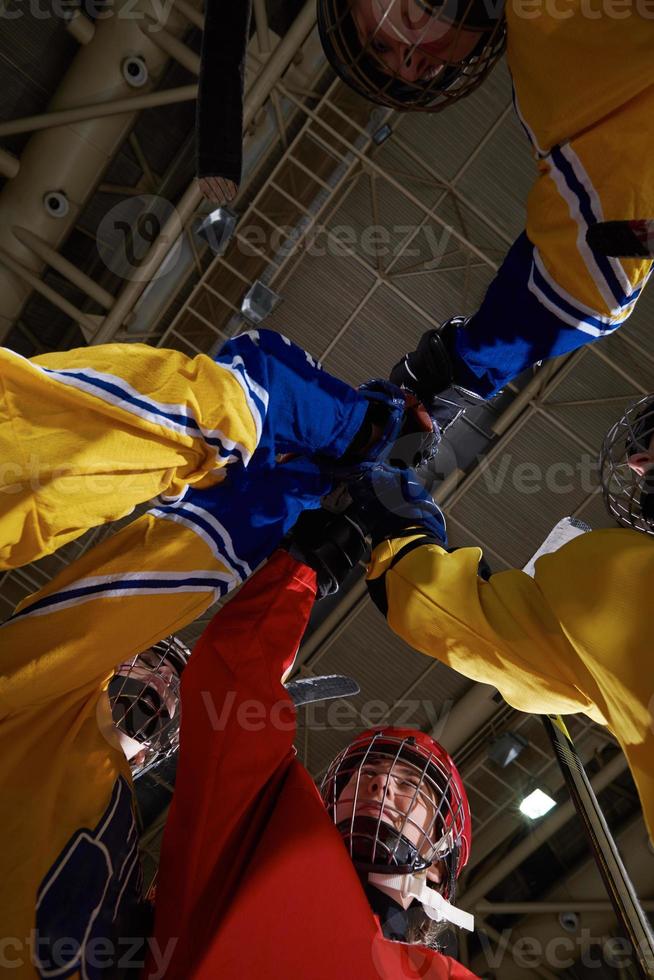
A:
{"points": [[254, 879]]}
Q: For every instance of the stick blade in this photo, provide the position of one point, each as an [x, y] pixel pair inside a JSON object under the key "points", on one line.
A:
{"points": [[308, 690]]}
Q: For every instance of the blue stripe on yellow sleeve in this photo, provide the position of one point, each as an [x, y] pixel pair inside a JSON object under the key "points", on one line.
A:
{"points": [[514, 329]]}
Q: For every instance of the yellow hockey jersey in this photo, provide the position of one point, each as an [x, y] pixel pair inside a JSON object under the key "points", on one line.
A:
{"points": [[86, 435], [69, 868], [583, 76], [575, 638]]}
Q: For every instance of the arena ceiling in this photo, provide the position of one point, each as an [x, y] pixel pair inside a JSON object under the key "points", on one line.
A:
{"points": [[370, 227]]}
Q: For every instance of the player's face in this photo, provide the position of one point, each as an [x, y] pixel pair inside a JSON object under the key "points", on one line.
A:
{"points": [[641, 463], [395, 792], [409, 42], [159, 678], [159, 682]]}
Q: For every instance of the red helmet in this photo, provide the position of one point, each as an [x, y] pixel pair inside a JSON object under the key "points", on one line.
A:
{"points": [[413, 54], [398, 801]]}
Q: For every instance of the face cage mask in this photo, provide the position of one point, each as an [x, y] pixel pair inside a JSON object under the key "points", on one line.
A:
{"points": [[144, 695], [629, 497], [361, 68], [397, 844]]}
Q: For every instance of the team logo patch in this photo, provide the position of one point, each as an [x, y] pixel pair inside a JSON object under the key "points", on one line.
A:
{"points": [[84, 901]]}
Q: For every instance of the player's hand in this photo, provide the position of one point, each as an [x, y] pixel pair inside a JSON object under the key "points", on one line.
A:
{"points": [[392, 503], [428, 369], [218, 190], [429, 372], [402, 428], [331, 544]]}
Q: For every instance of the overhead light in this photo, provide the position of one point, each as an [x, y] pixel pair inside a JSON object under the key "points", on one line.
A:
{"points": [[381, 135], [259, 302], [217, 229], [537, 804], [506, 748]]}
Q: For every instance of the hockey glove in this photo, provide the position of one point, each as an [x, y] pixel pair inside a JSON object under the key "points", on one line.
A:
{"points": [[429, 372], [428, 369], [393, 503], [331, 544], [397, 427]]}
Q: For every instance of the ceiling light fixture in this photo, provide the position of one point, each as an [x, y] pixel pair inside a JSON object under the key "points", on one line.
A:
{"points": [[537, 804], [506, 748], [217, 229], [259, 302], [381, 135]]}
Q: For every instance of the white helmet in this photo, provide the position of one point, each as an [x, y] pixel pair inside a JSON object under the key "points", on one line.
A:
{"points": [[628, 494], [144, 695]]}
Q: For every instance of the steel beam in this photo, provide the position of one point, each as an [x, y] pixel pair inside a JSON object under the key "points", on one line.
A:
{"points": [[9, 164], [72, 158], [80, 27], [62, 265], [33, 281], [255, 98], [541, 833], [547, 908], [171, 45], [99, 110]]}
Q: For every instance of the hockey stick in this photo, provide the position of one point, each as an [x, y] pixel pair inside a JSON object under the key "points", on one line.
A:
{"points": [[308, 690], [614, 874], [621, 892]]}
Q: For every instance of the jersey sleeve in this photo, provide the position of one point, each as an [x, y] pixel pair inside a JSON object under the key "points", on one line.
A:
{"points": [[219, 117], [146, 581], [92, 433], [296, 407], [151, 578], [500, 631], [238, 726], [553, 294], [260, 391]]}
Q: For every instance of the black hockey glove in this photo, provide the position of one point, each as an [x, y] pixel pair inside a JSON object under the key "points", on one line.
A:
{"points": [[331, 544], [429, 373], [428, 369]]}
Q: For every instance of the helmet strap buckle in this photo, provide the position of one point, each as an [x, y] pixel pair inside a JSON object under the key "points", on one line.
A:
{"points": [[415, 886]]}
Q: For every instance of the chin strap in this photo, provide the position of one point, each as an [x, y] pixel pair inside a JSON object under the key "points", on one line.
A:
{"points": [[415, 886]]}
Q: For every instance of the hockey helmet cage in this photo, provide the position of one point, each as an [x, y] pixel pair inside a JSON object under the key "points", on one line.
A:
{"points": [[357, 59], [629, 495], [387, 838], [144, 695]]}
